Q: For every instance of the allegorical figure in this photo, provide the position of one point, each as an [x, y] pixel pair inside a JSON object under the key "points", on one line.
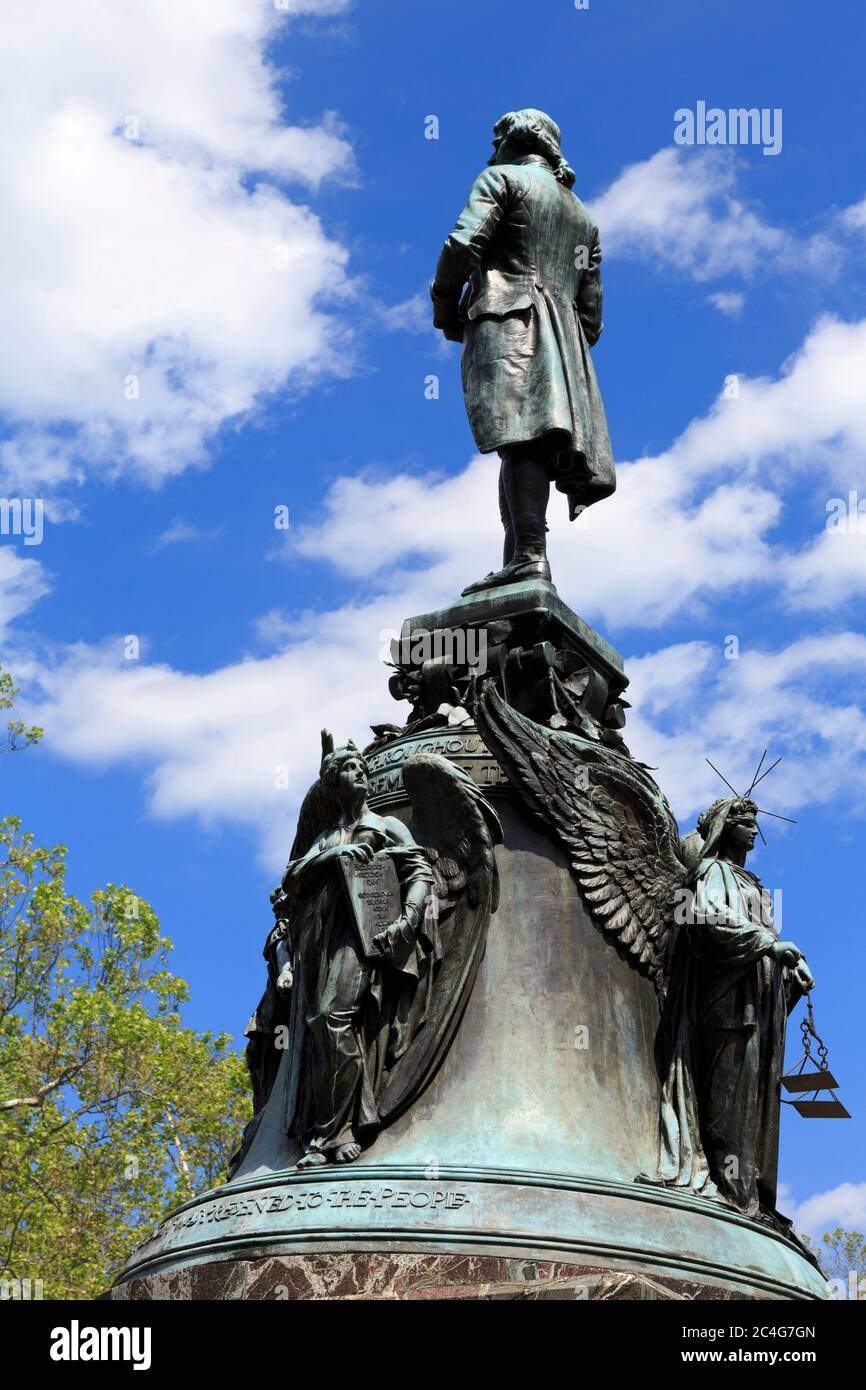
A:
{"points": [[691, 916], [731, 985], [530, 253], [354, 1019]]}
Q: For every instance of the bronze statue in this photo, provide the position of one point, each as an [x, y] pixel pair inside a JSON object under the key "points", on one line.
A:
{"points": [[692, 917], [731, 984], [532, 310], [358, 1013]]}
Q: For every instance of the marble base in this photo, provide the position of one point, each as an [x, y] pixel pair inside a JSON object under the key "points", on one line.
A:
{"points": [[357, 1276]]}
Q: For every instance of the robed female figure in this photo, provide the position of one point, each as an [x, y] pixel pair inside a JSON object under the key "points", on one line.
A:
{"points": [[730, 987]]}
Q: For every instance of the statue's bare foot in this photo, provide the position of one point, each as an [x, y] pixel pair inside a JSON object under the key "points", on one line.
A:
{"points": [[313, 1158], [347, 1153]]}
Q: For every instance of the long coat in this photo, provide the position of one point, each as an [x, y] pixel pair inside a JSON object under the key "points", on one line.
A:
{"points": [[530, 252]]}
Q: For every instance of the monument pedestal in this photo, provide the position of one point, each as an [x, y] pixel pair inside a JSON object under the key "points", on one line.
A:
{"points": [[514, 1174]]}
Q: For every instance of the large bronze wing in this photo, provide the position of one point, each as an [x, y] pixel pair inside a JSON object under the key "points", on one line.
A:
{"points": [[610, 817], [457, 829]]}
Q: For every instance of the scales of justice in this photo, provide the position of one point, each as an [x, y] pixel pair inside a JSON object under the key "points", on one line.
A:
{"points": [[518, 1037]]}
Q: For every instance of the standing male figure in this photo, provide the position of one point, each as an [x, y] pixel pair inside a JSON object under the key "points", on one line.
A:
{"points": [[530, 252]]}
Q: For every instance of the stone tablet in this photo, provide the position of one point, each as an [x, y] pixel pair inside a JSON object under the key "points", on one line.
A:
{"points": [[373, 892]]}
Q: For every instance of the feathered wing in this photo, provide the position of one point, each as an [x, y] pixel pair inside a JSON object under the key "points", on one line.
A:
{"points": [[316, 815], [610, 818], [458, 830], [318, 809]]}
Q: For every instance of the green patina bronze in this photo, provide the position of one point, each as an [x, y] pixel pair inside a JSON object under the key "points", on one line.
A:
{"points": [[519, 283]]}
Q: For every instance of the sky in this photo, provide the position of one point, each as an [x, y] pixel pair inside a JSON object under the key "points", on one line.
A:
{"points": [[218, 221]]}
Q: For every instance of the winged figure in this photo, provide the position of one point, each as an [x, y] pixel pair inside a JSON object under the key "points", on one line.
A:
{"points": [[693, 918], [351, 1028], [609, 816]]}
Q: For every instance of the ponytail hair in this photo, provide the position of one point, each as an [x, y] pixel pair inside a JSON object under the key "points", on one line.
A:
{"points": [[536, 133]]}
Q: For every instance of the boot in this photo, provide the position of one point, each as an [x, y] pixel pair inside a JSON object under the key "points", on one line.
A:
{"points": [[524, 489]]}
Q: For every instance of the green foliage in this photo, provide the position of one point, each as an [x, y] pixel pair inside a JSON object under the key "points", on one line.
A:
{"points": [[111, 1111], [841, 1255], [18, 735]]}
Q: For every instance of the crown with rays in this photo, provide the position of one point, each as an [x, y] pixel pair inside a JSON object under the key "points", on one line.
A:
{"points": [[755, 780]]}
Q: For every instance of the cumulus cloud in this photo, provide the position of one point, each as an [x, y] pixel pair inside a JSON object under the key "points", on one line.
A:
{"points": [[813, 413], [158, 280], [450, 526], [843, 1206], [716, 496], [239, 746], [680, 208], [730, 701], [22, 583]]}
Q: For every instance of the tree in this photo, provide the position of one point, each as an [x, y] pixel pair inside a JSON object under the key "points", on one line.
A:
{"points": [[842, 1257], [111, 1110], [18, 735]]}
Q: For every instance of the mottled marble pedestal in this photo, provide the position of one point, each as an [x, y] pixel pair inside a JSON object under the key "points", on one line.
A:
{"points": [[346, 1277]]}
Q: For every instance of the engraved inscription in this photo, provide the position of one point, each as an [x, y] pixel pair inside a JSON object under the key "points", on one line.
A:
{"points": [[431, 1200]]}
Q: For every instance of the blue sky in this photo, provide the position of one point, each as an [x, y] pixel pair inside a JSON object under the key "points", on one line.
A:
{"points": [[237, 208]]}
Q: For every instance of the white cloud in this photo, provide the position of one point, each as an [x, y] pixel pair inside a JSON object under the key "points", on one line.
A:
{"points": [[828, 573], [148, 258], [679, 209], [728, 302], [181, 532], [813, 414], [313, 7], [607, 557], [414, 315], [854, 218], [22, 583], [691, 702], [843, 1206], [218, 747], [715, 496]]}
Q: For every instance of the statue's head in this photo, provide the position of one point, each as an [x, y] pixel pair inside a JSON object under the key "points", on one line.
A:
{"points": [[345, 774], [518, 133], [729, 827]]}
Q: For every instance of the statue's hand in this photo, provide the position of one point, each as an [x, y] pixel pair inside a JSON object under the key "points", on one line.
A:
{"points": [[394, 940], [803, 976], [362, 853], [446, 317], [284, 982], [786, 953]]}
